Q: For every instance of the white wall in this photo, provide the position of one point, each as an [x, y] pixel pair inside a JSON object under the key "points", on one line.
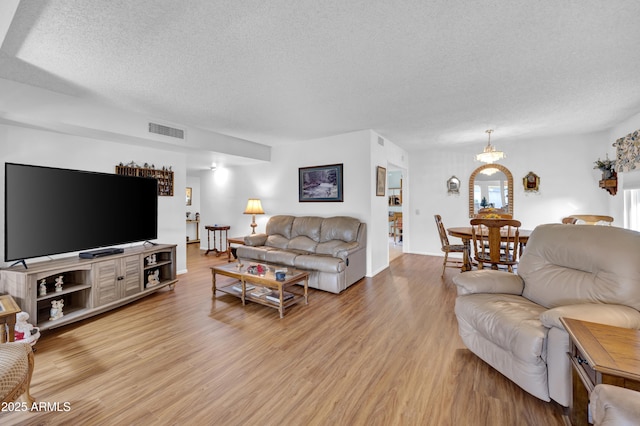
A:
{"points": [[44, 148], [225, 191], [629, 125], [568, 184], [193, 182]]}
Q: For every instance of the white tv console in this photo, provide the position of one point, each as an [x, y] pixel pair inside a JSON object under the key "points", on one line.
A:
{"points": [[90, 286]]}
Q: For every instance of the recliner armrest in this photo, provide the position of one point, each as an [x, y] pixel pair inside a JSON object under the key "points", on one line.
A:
{"points": [[488, 281], [613, 405], [615, 315]]}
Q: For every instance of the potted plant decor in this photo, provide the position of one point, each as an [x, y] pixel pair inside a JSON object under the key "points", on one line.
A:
{"points": [[606, 166]]}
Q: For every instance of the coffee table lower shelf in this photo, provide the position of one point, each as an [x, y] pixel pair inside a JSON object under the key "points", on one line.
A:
{"points": [[239, 287]]}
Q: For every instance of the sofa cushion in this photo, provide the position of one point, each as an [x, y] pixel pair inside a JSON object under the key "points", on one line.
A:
{"points": [[339, 228], [336, 248], [281, 257], [320, 263], [302, 243], [308, 226], [280, 225], [253, 253], [573, 264], [509, 321], [277, 241]]}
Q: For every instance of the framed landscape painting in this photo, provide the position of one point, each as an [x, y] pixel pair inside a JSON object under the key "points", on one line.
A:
{"points": [[320, 183]]}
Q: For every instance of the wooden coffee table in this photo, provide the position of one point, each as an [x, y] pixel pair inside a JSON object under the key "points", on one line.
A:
{"points": [[268, 280]]}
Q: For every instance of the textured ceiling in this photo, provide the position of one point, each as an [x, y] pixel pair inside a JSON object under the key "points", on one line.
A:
{"points": [[419, 72]]}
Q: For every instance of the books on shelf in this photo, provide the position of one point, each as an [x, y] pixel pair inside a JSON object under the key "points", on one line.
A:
{"points": [[260, 291], [238, 287], [274, 296]]}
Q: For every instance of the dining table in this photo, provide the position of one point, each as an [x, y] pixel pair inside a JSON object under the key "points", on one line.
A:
{"points": [[465, 233]]}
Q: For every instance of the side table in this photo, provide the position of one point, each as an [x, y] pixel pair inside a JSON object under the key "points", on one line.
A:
{"points": [[219, 229], [8, 310], [231, 251], [600, 353]]}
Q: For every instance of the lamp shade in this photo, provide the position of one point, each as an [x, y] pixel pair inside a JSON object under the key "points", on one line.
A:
{"points": [[254, 207]]}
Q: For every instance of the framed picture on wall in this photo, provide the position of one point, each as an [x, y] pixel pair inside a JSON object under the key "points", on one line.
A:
{"points": [[381, 180], [320, 183], [188, 194]]}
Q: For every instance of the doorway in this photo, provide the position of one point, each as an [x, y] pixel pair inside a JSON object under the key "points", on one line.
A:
{"points": [[395, 198]]}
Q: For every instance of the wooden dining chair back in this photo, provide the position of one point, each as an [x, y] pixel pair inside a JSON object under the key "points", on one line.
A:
{"points": [[447, 248], [588, 219], [396, 227], [496, 242]]}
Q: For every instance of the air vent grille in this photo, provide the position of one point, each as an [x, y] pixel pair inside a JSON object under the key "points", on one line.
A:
{"points": [[166, 130], [380, 141]]}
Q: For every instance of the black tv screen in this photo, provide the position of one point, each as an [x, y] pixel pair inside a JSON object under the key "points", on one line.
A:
{"points": [[51, 210]]}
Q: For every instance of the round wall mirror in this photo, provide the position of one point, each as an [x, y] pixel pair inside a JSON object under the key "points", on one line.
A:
{"points": [[491, 185]]}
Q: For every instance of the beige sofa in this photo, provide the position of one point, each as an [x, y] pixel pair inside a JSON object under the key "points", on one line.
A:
{"points": [[332, 249], [512, 321]]}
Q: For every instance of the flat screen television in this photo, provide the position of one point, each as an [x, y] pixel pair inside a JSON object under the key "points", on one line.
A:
{"points": [[52, 210]]}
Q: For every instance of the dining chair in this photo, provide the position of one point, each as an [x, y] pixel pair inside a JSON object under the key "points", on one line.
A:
{"points": [[396, 227], [496, 242], [588, 219], [447, 248]]}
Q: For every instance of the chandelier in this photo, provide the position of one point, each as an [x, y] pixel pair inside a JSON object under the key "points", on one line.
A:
{"points": [[490, 155]]}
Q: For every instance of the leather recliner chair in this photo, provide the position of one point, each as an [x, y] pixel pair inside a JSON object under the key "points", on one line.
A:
{"points": [[512, 322]]}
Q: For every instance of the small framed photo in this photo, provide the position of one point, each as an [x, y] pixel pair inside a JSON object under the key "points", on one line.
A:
{"points": [[453, 186], [381, 181], [531, 182], [320, 183]]}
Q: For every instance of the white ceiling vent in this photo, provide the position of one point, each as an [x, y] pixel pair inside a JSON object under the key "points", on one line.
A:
{"points": [[380, 141], [166, 130]]}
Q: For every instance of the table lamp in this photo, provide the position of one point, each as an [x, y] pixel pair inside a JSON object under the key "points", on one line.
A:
{"points": [[254, 207]]}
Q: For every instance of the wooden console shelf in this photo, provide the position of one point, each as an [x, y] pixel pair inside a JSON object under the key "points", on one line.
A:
{"points": [[90, 286], [164, 177]]}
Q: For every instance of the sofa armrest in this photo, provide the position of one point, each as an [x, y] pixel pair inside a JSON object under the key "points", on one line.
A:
{"points": [[615, 315], [488, 281], [255, 240]]}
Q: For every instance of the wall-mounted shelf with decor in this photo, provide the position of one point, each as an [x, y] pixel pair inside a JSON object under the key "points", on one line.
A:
{"points": [[164, 177], [610, 185]]}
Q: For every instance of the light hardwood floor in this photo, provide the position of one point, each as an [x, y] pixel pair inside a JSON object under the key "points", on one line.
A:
{"points": [[384, 352]]}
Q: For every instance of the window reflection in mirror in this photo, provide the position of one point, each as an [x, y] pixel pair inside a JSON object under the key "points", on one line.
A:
{"points": [[491, 185]]}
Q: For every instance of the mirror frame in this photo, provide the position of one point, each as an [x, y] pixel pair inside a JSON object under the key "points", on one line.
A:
{"points": [[453, 185], [506, 172]]}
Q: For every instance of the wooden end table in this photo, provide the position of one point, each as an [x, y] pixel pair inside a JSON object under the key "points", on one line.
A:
{"points": [[219, 229], [600, 353], [8, 310], [230, 250], [268, 280]]}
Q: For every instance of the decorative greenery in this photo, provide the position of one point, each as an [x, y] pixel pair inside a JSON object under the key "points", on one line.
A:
{"points": [[604, 165]]}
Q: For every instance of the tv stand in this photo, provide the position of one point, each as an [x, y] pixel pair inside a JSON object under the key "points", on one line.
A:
{"points": [[89, 286], [92, 254]]}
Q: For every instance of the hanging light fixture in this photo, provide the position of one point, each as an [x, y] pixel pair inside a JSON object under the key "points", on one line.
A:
{"points": [[490, 155]]}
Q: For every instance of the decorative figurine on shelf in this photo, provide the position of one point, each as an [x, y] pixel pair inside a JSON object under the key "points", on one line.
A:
{"points": [[151, 259], [59, 282], [197, 216], [154, 278], [56, 310], [43, 287], [25, 331]]}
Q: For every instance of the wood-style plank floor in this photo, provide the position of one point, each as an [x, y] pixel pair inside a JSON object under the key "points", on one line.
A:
{"points": [[384, 352]]}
